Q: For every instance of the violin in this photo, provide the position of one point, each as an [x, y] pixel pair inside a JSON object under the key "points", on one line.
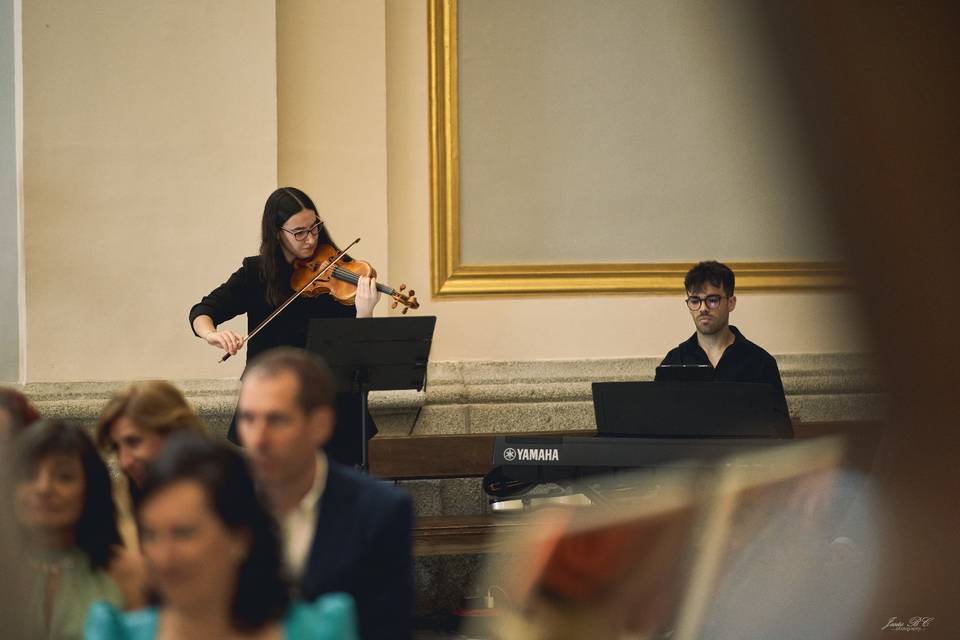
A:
{"points": [[328, 272], [341, 281]]}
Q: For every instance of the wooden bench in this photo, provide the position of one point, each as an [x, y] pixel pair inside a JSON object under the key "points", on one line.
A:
{"points": [[454, 535]]}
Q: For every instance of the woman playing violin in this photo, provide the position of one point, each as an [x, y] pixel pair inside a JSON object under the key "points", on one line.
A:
{"points": [[291, 230]]}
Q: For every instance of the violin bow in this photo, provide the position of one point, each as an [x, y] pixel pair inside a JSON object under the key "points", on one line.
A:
{"points": [[287, 302]]}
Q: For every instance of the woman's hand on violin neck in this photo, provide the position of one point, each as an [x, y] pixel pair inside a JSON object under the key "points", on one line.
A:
{"points": [[367, 296], [226, 340]]}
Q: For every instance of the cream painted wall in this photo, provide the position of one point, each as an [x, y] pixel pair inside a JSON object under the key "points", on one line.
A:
{"points": [[331, 68], [563, 326], [152, 139], [149, 147]]}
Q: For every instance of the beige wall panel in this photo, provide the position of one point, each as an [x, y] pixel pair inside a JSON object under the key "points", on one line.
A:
{"points": [[149, 148], [513, 328], [407, 160], [627, 131], [331, 71]]}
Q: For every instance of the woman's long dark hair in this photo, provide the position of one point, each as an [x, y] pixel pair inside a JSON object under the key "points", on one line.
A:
{"points": [[281, 205], [262, 592], [96, 531]]}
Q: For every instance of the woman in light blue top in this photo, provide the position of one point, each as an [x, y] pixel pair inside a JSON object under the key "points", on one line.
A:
{"points": [[214, 556]]}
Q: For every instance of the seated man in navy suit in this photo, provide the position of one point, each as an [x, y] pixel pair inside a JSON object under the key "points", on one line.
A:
{"points": [[343, 531]]}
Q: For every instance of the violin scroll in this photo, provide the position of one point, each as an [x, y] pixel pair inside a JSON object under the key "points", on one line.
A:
{"points": [[408, 300]]}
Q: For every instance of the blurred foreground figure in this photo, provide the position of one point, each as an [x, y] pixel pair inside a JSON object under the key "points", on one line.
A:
{"points": [[65, 511], [763, 547], [215, 558], [14, 597], [877, 89]]}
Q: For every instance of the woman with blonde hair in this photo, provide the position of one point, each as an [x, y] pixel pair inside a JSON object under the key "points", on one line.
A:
{"points": [[135, 424]]}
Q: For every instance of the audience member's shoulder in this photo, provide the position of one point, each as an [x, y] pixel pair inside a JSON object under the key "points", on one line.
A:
{"points": [[367, 485], [330, 616], [106, 622]]}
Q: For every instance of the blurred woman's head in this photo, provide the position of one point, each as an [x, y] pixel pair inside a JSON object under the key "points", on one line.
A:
{"points": [[16, 413], [136, 421], [62, 491], [206, 536]]}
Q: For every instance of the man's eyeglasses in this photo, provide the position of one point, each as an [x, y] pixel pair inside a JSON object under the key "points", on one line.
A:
{"points": [[301, 234], [713, 302]]}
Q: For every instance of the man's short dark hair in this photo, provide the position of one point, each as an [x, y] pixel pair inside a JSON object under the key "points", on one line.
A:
{"points": [[316, 382], [712, 272]]}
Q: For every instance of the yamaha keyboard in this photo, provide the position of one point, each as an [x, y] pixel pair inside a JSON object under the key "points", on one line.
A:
{"points": [[559, 458]]}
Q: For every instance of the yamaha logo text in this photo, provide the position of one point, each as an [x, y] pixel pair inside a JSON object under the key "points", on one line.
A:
{"points": [[531, 455]]}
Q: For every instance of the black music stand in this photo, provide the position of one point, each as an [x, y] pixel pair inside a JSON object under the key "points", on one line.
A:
{"points": [[373, 354]]}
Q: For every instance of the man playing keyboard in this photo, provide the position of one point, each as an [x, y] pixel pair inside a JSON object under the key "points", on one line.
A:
{"points": [[716, 343]]}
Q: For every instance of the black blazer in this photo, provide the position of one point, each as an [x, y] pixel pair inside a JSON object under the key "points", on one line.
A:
{"points": [[245, 292], [362, 546]]}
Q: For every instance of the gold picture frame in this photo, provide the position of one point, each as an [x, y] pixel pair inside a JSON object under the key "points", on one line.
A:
{"points": [[450, 277]]}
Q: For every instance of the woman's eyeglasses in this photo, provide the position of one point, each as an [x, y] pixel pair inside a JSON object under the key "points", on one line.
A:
{"points": [[301, 234]]}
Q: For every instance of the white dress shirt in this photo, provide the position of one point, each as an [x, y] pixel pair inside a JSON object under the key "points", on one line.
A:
{"points": [[299, 525]]}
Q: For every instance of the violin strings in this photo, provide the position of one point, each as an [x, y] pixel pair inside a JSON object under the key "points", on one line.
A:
{"points": [[351, 277]]}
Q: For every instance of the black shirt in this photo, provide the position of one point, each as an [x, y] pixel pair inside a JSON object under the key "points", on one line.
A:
{"points": [[742, 361], [245, 292]]}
